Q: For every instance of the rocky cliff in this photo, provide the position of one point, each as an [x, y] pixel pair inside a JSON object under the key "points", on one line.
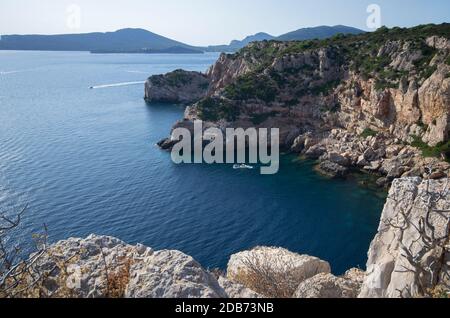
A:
{"points": [[393, 84], [179, 87], [409, 257]]}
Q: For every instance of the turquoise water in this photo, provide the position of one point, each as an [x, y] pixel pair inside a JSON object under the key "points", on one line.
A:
{"points": [[85, 161]]}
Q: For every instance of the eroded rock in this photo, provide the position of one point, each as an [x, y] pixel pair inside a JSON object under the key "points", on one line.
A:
{"points": [[406, 258], [177, 87]]}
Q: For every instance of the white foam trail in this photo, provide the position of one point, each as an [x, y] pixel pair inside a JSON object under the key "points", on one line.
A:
{"points": [[12, 72], [117, 85]]}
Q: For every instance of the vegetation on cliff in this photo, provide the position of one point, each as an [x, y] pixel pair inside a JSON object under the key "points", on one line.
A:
{"points": [[383, 80], [214, 109], [441, 150], [358, 52]]}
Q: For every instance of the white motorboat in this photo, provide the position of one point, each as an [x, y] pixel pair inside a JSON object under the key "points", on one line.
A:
{"points": [[242, 166]]}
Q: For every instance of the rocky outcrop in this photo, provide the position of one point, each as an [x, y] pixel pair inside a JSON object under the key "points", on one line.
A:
{"points": [[227, 69], [328, 95], [273, 272], [277, 260], [377, 154], [101, 266], [177, 87], [409, 256], [330, 286], [331, 169], [398, 87]]}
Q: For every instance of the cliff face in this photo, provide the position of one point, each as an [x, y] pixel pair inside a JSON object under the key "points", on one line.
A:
{"points": [[410, 255], [401, 88], [394, 81], [393, 85], [176, 87]]}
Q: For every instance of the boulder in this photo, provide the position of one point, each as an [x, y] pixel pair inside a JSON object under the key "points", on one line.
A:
{"points": [[373, 167], [271, 268], [393, 150], [172, 274], [166, 144], [362, 162], [370, 155], [299, 144], [102, 266], [315, 152], [328, 286], [332, 169], [339, 159]]}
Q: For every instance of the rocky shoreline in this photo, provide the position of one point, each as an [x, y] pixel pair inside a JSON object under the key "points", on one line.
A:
{"points": [[378, 103], [377, 155]]}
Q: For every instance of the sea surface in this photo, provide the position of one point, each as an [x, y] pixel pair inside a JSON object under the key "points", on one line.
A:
{"points": [[84, 161]]}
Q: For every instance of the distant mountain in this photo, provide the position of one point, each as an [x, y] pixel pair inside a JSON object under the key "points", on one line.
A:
{"points": [[252, 38], [125, 40], [143, 41], [320, 32]]}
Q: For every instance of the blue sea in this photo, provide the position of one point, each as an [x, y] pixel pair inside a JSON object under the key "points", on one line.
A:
{"points": [[84, 161]]}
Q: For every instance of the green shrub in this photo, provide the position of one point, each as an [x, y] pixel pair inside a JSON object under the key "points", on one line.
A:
{"points": [[260, 118], [382, 84], [214, 109], [448, 60], [252, 87], [441, 149], [428, 71], [176, 78], [203, 85], [368, 133], [324, 88]]}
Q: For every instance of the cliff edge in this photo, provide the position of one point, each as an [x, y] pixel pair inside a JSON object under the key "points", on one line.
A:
{"points": [[409, 257]]}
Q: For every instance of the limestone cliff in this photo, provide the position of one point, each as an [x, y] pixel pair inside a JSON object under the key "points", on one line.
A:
{"points": [[393, 84], [176, 87], [410, 255]]}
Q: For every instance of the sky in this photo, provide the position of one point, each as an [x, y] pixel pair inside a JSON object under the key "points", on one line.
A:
{"points": [[208, 22]]}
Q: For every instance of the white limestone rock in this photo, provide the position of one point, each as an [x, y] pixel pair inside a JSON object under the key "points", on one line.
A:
{"points": [[93, 263], [390, 272], [235, 290], [276, 260], [329, 286]]}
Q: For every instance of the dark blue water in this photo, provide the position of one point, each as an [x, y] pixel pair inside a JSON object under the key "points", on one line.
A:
{"points": [[85, 161]]}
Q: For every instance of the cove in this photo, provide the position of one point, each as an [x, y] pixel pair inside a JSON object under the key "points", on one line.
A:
{"points": [[85, 161]]}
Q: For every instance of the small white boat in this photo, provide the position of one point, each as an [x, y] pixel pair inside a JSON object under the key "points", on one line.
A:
{"points": [[242, 166]]}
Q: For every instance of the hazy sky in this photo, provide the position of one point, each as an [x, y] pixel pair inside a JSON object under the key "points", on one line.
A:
{"points": [[203, 22]]}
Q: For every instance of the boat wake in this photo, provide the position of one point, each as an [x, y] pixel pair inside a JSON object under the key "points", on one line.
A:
{"points": [[13, 72], [117, 85]]}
